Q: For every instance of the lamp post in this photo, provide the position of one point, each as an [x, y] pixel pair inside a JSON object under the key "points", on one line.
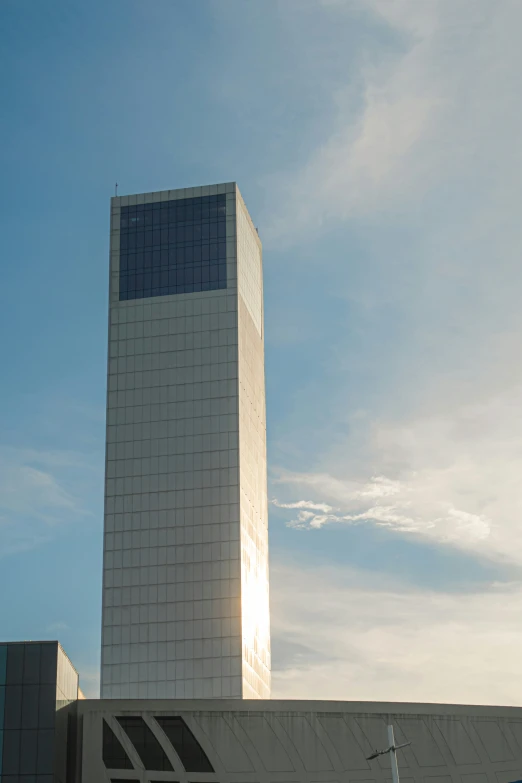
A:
{"points": [[392, 750]]}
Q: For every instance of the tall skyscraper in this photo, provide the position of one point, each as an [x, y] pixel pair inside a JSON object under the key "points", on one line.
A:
{"points": [[185, 581]]}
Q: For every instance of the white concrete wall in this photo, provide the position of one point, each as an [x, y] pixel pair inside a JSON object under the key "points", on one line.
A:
{"points": [[310, 742]]}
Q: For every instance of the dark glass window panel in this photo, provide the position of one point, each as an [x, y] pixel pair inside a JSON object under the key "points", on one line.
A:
{"points": [[29, 706], [46, 706], [192, 755], [113, 754], [132, 242], [44, 779], [11, 752], [3, 663], [48, 663], [124, 242], [32, 664], [146, 744], [13, 707], [44, 764], [2, 707], [28, 751], [15, 664], [124, 780], [148, 218], [184, 221], [29, 779]]}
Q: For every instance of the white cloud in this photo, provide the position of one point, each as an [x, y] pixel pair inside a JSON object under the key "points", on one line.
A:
{"points": [[38, 490], [439, 109], [305, 504], [342, 634], [449, 477]]}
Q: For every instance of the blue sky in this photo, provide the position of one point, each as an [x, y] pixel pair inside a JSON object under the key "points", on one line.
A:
{"points": [[376, 143]]}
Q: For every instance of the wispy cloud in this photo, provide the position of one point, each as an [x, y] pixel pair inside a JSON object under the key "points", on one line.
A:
{"points": [[59, 625], [418, 118], [38, 491], [345, 634], [304, 504]]}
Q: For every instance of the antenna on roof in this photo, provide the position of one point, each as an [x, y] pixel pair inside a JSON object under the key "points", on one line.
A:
{"points": [[116, 189]]}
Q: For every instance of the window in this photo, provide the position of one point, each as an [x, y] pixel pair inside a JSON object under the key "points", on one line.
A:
{"points": [[114, 756], [145, 743], [185, 744], [183, 246]]}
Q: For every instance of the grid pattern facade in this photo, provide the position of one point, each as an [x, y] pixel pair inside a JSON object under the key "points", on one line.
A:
{"points": [[173, 247], [252, 460], [36, 679], [172, 595]]}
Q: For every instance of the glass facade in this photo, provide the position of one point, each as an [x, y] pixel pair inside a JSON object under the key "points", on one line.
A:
{"points": [[147, 746], [28, 703], [173, 247], [190, 752]]}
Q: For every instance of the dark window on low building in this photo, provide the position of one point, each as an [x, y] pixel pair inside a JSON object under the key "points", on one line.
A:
{"points": [[114, 756], [192, 755], [145, 743]]}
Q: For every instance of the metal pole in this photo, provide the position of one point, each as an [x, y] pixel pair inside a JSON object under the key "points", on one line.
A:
{"points": [[393, 756]]}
